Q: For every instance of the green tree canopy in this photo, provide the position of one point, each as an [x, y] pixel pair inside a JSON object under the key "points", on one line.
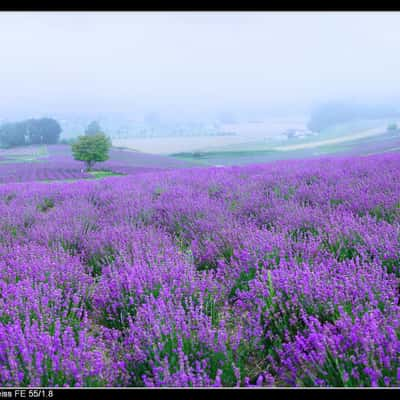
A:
{"points": [[91, 149]]}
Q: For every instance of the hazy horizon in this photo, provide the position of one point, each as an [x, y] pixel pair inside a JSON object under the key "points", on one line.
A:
{"points": [[195, 63]]}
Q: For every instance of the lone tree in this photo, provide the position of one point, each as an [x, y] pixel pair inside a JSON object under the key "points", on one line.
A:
{"points": [[91, 149]]}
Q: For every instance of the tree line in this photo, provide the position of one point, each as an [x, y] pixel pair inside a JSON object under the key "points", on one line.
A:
{"points": [[30, 131], [333, 113]]}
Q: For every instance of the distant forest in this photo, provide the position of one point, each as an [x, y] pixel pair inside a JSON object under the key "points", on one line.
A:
{"points": [[330, 114], [30, 131]]}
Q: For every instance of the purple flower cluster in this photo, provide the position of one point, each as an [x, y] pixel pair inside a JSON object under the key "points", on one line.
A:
{"points": [[284, 274]]}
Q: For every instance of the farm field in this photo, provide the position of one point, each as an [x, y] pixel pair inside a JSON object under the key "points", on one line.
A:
{"points": [[279, 274], [55, 162], [332, 142], [359, 135], [262, 141], [245, 133]]}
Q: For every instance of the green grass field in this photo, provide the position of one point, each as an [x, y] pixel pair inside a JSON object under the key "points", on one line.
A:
{"points": [[24, 154], [264, 151], [102, 174]]}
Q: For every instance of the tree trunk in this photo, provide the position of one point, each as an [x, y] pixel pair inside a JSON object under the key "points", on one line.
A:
{"points": [[89, 165]]}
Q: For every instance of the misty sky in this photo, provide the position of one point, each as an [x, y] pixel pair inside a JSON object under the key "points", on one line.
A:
{"points": [[194, 62]]}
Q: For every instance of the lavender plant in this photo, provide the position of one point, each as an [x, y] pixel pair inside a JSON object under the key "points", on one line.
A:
{"points": [[282, 274]]}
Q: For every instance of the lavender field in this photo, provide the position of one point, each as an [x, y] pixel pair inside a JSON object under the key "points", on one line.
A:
{"points": [[282, 274], [55, 163]]}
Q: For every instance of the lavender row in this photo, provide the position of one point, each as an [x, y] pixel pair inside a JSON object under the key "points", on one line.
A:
{"points": [[59, 164]]}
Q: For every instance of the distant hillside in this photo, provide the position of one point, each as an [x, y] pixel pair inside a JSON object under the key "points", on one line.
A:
{"points": [[331, 114]]}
